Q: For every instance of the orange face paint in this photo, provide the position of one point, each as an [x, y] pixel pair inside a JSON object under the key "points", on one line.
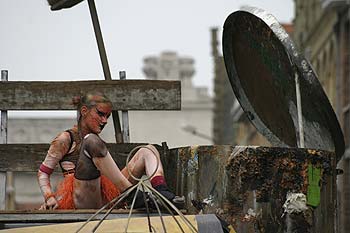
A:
{"points": [[96, 118]]}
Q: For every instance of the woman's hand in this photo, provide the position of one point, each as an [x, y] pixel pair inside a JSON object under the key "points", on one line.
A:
{"points": [[50, 204]]}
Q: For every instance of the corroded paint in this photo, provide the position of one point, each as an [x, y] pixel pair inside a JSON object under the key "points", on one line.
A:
{"points": [[247, 186], [271, 173]]}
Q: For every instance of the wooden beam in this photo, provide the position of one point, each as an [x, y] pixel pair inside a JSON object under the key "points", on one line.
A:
{"points": [[28, 157], [57, 216], [124, 94], [29, 217]]}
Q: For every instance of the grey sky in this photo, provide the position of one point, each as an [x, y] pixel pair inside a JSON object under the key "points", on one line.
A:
{"points": [[38, 44]]}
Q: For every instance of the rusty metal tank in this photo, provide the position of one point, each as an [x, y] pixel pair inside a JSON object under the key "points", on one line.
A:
{"points": [[283, 188]]}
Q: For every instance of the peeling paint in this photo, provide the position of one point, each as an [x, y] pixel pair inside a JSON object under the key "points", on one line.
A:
{"points": [[295, 203], [209, 200], [229, 181], [192, 164]]}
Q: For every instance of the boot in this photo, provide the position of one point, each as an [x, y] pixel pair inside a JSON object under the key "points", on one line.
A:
{"points": [[179, 202]]}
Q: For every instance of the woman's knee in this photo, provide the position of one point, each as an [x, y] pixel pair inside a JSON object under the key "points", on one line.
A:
{"points": [[149, 151]]}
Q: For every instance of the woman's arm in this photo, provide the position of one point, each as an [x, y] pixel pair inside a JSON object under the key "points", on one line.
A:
{"points": [[58, 148]]}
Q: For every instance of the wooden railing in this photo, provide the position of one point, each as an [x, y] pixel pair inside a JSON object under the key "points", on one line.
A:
{"points": [[124, 95]]}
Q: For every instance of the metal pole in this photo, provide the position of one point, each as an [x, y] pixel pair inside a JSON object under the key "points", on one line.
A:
{"points": [[9, 182], [99, 39], [105, 66], [125, 115], [300, 114], [3, 140], [4, 78]]}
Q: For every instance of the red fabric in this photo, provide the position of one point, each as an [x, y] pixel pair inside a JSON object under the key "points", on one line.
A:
{"points": [[158, 180], [65, 191], [108, 189], [45, 169]]}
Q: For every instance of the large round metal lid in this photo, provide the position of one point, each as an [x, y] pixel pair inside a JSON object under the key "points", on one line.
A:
{"points": [[262, 63]]}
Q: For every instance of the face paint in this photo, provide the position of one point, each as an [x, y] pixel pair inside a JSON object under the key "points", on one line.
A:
{"points": [[96, 118]]}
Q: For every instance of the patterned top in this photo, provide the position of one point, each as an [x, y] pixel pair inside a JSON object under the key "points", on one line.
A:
{"points": [[73, 152]]}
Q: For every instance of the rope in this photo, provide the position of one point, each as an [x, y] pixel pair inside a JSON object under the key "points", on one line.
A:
{"points": [[154, 195]]}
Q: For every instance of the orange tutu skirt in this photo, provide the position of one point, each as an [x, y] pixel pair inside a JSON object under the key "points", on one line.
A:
{"points": [[65, 188]]}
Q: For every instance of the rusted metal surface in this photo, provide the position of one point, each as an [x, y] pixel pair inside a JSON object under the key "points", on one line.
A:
{"points": [[201, 177], [248, 186], [262, 62], [268, 174], [124, 94]]}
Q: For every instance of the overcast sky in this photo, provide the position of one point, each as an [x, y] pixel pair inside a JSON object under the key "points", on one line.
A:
{"points": [[39, 44]]}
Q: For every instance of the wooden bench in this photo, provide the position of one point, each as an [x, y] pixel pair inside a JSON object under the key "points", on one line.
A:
{"points": [[38, 95]]}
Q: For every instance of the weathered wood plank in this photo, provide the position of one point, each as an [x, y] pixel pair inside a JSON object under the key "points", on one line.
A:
{"points": [[56, 216], [2, 190], [28, 157], [125, 94]]}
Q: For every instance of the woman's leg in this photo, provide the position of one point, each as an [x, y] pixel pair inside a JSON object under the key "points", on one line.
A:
{"points": [[109, 168], [144, 162]]}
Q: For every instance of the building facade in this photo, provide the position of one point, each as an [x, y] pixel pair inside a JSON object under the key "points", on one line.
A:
{"points": [[322, 32], [223, 125]]}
